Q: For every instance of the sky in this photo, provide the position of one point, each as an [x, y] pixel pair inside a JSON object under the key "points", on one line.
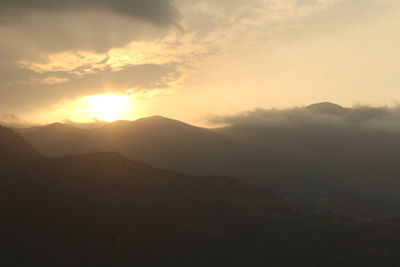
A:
{"points": [[90, 60]]}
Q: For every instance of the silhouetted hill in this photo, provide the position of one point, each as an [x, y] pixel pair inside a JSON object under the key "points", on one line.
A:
{"points": [[327, 108], [156, 140], [357, 114], [12, 142], [105, 210]]}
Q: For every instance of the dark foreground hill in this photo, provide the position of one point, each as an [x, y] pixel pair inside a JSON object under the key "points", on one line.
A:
{"points": [[105, 210]]}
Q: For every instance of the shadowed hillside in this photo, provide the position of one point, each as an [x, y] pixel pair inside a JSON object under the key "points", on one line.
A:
{"points": [[105, 210], [13, 143]]}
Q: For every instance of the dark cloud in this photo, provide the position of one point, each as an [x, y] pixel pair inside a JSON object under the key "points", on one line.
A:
{"points": [[318, 129], [37, 35], [156, 11], [33, 29]]}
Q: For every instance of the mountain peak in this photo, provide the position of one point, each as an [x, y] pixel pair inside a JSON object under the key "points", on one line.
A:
{"points": [[59, 125], [155, 119], [158, 120], [327, 108]]}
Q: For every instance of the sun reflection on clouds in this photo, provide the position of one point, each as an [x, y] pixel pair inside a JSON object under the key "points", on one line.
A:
{"points": [[244, 27], [67, 61]]}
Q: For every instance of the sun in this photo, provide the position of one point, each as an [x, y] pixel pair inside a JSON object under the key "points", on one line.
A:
{"points": [[107, 107]]}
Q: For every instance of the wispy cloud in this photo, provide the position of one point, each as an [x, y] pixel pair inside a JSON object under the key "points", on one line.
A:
{"points": [[12, 120]]}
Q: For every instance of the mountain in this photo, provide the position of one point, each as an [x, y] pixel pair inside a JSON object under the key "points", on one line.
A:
{"points": [[327, 108], [319, 162], [356, 114], [102, 209], [158, 141], [12, 142]]}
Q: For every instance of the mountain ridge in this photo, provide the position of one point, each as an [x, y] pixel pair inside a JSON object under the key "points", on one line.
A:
{"points": [[316, 161], [102, 209], [12, 142]]}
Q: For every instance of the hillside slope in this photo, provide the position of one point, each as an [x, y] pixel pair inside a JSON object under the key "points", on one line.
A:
{"points": [[13, 143], [105, 210]]}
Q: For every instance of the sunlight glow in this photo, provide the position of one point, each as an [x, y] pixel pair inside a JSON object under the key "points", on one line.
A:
{"points": [[106, 107]]}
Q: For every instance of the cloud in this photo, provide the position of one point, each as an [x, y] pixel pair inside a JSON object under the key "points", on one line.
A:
{"points": [[317, 131], [137, 77], [36, 35], [34, 29], [45, 89], [12, 120], [95, 123], [321, 114], [160, 12]]}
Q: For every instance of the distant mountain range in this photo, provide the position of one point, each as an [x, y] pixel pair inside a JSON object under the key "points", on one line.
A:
{"points": [[156, 140], [102, 209], [322, 157]]}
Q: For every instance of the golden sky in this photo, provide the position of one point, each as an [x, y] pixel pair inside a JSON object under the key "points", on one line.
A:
{"points": [[186, 59]]}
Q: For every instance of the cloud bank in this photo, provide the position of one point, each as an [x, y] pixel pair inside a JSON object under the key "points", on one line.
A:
{"points": [[323, 131], [161, 12], [321, 114]]}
